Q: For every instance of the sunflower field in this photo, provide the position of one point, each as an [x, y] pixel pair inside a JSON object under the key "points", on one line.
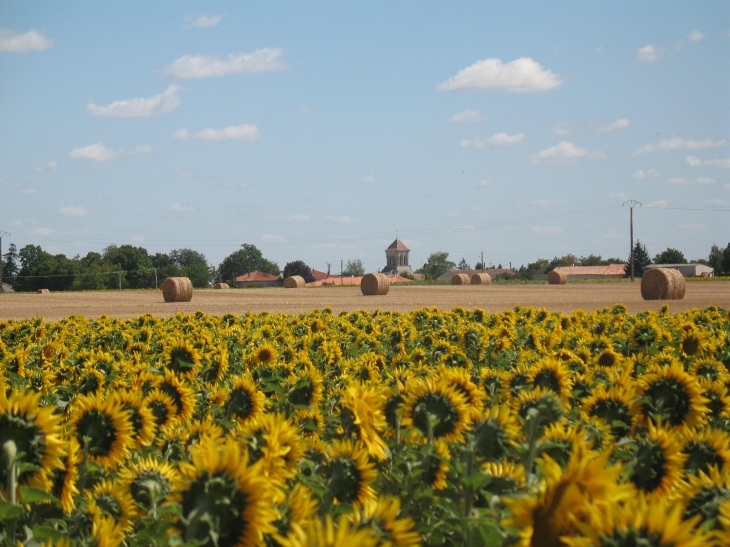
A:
{"points": [[461, 427]]}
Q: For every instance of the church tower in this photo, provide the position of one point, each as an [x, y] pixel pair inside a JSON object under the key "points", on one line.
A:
{"points": [[396, 257]]}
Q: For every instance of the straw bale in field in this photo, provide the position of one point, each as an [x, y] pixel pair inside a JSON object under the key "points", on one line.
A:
{"points": [[481, 279], [375, 284], [460, 279], [177, 289], [557, 278], [221, 286], [43, 291], [662, 284], [294, 282]]}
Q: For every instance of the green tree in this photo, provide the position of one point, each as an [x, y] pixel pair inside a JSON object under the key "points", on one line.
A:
{"points": [[10, 264], [719, 259], [436, 265], [480, 266], [298, 267], [243, 261], [540, 266], [134, 262], [192, 265], [670, 256], [42, 270], [354, 267], [563, 261], [463, 265], [641, 260]]}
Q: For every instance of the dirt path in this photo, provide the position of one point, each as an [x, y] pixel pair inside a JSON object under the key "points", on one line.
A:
{"points": [[403, 298]]}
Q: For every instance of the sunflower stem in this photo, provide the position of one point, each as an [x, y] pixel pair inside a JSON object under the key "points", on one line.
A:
{"points": [[11, 451], [468, 494]]}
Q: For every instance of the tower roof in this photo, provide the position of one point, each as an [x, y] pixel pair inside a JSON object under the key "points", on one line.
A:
{"points": [[397, 245]]}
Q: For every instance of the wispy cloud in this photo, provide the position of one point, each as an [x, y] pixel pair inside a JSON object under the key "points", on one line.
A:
{"points": [[98, 152], [562, 128], [522, 75], [179, 208], [623, 123], [50, 167], [203, 21], [245, 132], [565, 152], [468, 115], [643, 175], [21, 42], [499, 139], [696, 36], [694, 161], [205, 66], [486, 182], [647, 54], [679, 181], [290, 218], [368, 178], [73, 211], [678, 143], [343, 219], [139, 107]]}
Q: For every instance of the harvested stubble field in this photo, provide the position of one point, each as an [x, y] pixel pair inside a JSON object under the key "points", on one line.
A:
{"points": [[565, 298]]}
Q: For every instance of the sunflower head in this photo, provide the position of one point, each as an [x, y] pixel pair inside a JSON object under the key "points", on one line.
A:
{"points": [[182, 358]]}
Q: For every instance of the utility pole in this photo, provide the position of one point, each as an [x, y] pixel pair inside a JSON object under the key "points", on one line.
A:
{"points": [[341, 263], [482, 261], [2, 289], [119, 273], [631, 203]]}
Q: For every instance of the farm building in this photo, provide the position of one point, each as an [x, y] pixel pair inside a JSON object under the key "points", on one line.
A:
{"points": [[319, 276], [611, 271], [258, 279], [687, 270], [493, 272], [396, 258]]}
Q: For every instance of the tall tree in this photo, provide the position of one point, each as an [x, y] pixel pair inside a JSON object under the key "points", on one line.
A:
{"points": [[245, 260], [192, 265], [10, 264], [463, 265], [670, 256], [354, 267], [436, 265], [641, 260], [134, 262], [298, 267], [42, 270]]}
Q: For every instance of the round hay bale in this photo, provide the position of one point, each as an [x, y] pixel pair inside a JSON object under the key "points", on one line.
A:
{"points": [[662, 284], [481, 279], [221, 286], [375, 284], [557, 278], [43, 291], [460, 279], [177, 289], [294, 282]]}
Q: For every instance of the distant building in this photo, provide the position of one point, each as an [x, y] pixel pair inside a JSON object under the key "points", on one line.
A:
{"points": [[397, 261], [493, 272], [258, 279], [319, 276], [687, 270]]}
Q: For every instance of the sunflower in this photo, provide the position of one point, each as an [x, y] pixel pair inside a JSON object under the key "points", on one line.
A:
{"points": [[111, 499], [656, 467], [703, 495], [609, 359], [200, 429], [295, 512], [306, 387], [494, 432], [103, 429], [217, 366], [546, 402], [435, 410], [669, 393], [461, 379], [638, 522], [493, 381], [182, 395], [692, 343], [505, 477], [316, 534], [704, 448], [366, 403], [142, 418], [106, 532], [64, 480], [264, 355], [36, 432], [645, 333], [223, 500], [163, 409], [519, 377], [243, 401], [348, 473], [709, 369], [382, 514], [149, 481], [552, 374], [182, 358], [274, 440], [616, 406], [719, 399], [435, 466]]}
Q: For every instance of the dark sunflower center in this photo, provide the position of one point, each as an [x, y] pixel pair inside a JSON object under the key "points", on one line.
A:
{"points": [[88, 384], [499, 485], [344, 479], [161, 413], [715, 405], [615, 413], [440, 409], [493, 385], [707, 370], [707, 503], [265, 355], [668, 399], [701, 457], [213, 508], [181, 360], [169, 389], [98, 427], [135, 417], [391, 407], [490, 440], [240, 403], [29, 439], [109, 505], [302, 393], [518, 381], [650, 469], [691, 345], [548, 379], [149, 484], [548, 407], [431, 466], [607, 359]]}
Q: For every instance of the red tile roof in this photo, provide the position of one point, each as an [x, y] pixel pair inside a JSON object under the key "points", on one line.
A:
{"points": [[397, 245], [611, 269], [256, 276], [318, 276]]}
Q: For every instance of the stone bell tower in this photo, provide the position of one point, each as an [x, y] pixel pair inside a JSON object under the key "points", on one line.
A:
{"points": [[396, 257]]}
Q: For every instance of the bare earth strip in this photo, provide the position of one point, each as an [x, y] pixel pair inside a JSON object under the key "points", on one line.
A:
{"points": [[563, 298]]}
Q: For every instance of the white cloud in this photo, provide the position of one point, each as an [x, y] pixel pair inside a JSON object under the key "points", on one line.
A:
{"points": [[474, 143], [623, 123], [468, 115], [679, 181], [485, 182], [561, 128], [648, 174], [98, 152], [718, 202], [139, 107], [694, 161], [73, 211], [203, 21], [546, 230], [20, 42], [368, 178], [272, 238], [565, 152], [519, 76], [696, 36], [661, 204], [503, 139], [179, 208], [344, 219], [40, 231], [246, 132], [647, 54], [50, 167], [678, 143], [692, 228], [205, 66]]}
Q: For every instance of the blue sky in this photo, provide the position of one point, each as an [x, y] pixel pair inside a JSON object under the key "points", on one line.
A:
{"points": [[317, 130]]}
